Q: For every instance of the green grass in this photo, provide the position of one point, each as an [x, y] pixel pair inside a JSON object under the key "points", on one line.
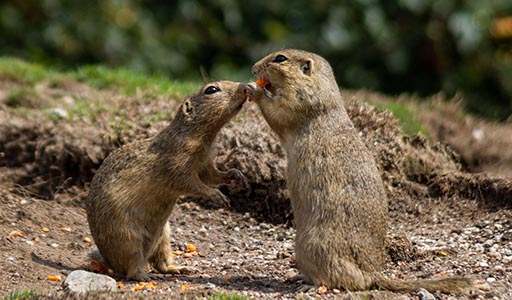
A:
{"points": [[406, 117], [224, 296], [19, 70], [121, 80], [129, 82], [21, 295]]}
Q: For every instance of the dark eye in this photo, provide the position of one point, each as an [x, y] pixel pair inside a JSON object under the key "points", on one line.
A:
{"points": [[280, 58], [211, 89]]}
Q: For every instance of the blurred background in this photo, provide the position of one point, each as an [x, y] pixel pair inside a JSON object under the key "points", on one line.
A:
{"points": [[418, 47]]}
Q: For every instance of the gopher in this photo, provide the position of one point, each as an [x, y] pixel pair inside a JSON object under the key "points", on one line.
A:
{"points": [[337, 195], [135, 190]]}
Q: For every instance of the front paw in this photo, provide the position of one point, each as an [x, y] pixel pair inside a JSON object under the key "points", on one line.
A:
{"points": [[219, 197], [235, 176]]}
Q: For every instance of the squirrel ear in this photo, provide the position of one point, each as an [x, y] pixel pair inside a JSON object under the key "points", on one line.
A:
{"points": [[187, 108], [306, 67]]}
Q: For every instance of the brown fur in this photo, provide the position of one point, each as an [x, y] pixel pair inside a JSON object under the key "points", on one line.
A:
{"points": [[336, 192], [134, 192]]}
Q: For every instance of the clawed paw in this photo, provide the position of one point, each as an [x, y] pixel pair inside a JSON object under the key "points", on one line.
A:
{"points": [[235, 176], [219, 197]]}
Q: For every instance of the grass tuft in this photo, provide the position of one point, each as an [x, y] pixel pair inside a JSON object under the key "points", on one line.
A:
{"points": [[224, 296], [406, 117], [22, 295], [18, 70], [130, 82]]}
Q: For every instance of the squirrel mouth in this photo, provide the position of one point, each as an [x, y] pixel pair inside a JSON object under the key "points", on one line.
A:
{"points": [[266, 85]]}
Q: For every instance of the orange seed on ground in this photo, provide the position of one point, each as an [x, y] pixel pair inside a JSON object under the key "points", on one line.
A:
{"points": [[191, 247], [54, 277]]}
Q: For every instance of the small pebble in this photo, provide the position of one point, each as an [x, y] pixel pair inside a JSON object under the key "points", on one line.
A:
{"points": [[425, 295], [210, 285], [54, 245], [291, 273], [490, 279], [483, 264], [59, 113]]}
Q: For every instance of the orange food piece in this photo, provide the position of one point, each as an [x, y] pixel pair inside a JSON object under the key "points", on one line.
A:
{"points": [[54, 277], [99, 267], [65, 229], [46, 229], [37, 240], [87, 240], [119, 285], [262, 82], [144, 285], [188, 255], [149, 285], [185, 287], [16, 233], [321, 290], [191, 248], [178, 252]]}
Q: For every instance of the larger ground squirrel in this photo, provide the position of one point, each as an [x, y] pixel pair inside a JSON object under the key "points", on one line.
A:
{"points": [[136, 188], [336, 192]]}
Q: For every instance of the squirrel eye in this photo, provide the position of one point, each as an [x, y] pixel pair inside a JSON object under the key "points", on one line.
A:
{"points": [[280, 58], [211, 89]]}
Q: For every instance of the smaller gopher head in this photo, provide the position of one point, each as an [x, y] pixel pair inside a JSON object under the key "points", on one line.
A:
{"points": [[213, 105]]}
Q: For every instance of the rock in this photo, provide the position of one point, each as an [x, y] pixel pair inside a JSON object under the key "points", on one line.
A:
{"points": [[80, 281], [425, 295], [58, 113], [291, 273]]}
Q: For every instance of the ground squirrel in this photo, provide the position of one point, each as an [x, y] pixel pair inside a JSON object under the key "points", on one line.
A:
{"points": [[134, 191], [337, 195]]}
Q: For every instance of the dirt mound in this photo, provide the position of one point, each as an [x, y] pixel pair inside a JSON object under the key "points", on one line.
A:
{"points": [[54, 156], [248, 144], [483, 146]]}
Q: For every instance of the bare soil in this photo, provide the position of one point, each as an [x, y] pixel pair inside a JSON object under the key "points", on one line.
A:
{"points": [[445, 218]]}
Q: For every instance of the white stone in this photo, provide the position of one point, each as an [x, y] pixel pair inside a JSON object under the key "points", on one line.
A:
{"points": [[81, 281], [491, 279]]}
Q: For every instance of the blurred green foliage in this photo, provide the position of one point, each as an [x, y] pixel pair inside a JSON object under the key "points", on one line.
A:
{"points": [[395, 46]]}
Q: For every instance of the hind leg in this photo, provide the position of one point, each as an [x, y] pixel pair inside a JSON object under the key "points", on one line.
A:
{"points": [[162, 258], [137, 268]]}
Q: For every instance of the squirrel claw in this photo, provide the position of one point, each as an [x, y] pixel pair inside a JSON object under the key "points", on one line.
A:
{"points": [[235, 176]]}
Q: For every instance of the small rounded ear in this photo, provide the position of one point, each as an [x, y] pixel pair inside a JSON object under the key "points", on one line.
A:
{"points": [[187, 108], [306, 67]]}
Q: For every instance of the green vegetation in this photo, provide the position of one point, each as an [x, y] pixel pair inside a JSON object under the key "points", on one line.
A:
{"points": [[129, 81], [18, 70], [22, 295], [224, 296], [25, 96], [406, 117], [122, 80]]}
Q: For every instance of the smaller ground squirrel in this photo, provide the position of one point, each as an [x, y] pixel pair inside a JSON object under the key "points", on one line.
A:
{"points": [[337, 195], [134, 191]]}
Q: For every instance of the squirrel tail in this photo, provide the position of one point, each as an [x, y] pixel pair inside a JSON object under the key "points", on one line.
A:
{"points": [[445, 285]]}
